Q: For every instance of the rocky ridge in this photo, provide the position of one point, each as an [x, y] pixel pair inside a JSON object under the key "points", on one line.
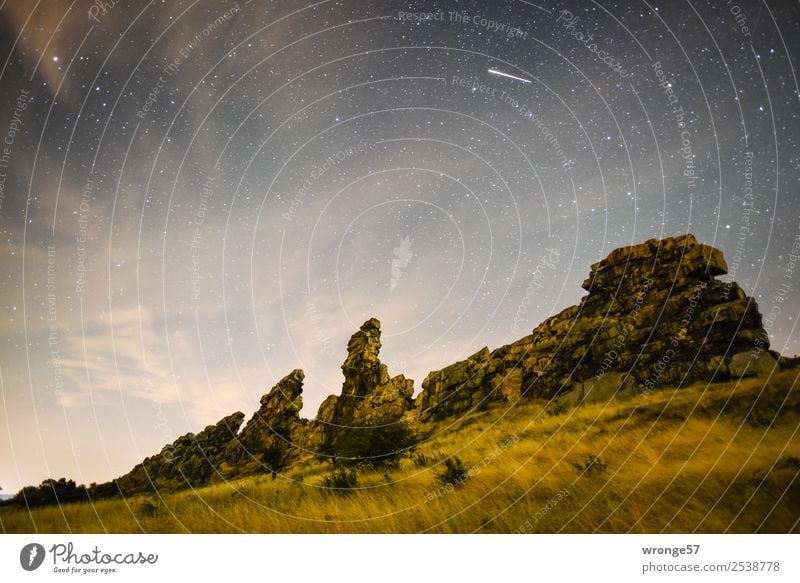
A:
{"points": [[655, 316]]}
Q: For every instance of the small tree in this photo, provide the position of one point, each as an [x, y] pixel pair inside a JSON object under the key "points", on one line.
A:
{"points": [[376, 446], [454, 473], [341, 481]]}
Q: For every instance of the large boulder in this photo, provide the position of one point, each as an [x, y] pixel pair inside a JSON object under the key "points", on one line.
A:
{"points": [[752, 363], [655, 311]]}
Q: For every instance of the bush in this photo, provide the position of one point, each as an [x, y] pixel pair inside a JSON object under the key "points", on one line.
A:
{"points": [[454, 472], [273, 460], [421, 460], [555, 409], [788, 463], [378, 446], [151, 507], [341, 481], [593, 464], [106, 490]]}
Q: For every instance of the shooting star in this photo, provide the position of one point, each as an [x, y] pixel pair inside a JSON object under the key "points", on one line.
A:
{"points": [[495, 72]]}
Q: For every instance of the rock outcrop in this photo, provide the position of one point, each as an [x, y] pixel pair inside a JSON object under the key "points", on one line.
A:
{"points": [[191, 460], [464, 385], [267, 440], [369, 398], [655, 315]]}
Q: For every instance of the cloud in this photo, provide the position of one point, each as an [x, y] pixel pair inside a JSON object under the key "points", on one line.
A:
{"points": [[36, 28], [122, 353]]}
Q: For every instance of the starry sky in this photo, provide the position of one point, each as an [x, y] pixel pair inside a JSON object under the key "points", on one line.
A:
{"points": [[199, 196]]}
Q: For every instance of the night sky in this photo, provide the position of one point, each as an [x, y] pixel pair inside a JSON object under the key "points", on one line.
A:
{"points": [[198, 197]]}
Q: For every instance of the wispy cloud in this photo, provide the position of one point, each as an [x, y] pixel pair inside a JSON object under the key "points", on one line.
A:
{"points": [[121, 352]]}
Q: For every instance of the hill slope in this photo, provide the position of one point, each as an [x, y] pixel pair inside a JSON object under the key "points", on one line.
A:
{"points": [[722, 457]]}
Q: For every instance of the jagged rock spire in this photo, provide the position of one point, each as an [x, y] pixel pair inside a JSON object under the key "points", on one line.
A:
{"points": [[362, 369], [268, 436], [369, 395]]}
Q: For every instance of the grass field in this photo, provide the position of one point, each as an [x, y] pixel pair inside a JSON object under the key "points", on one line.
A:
{"points": [[705, 458]]}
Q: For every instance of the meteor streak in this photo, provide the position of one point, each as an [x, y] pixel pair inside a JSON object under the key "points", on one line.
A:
{"points": [[495, 72]]}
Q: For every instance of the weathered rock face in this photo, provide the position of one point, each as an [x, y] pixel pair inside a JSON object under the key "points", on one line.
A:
{"points": [[655, 316], [191, 460], [267, 441], [458, 387], [369, 396], [655, 311]]}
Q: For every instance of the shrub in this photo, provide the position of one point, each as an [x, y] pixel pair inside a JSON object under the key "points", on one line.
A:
{"points": [[593, 464], [151, 507], [556, 408], [379, 446], [454, 472], [341, 481], [273, 460], [788, 463], [421, 460]]}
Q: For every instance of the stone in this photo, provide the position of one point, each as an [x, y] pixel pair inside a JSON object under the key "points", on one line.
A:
{"points": [[753, 363], [266, 442], [369, 396], [458, 387], [190, 461], [509, 385], [654, 313], [607, 386]]}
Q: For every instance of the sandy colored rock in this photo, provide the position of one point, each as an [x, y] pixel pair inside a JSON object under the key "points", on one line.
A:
{"points": [[753, 363], [190, 461], [268, 439]]}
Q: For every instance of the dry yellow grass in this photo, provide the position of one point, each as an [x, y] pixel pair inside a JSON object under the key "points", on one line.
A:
{"points": [[706, 458]]}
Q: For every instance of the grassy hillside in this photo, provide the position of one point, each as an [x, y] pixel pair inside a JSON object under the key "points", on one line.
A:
{"points": [[723, 457]]}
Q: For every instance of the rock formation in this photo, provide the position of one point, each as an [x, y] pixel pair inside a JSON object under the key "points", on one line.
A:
{"points": [[369, 398], [268, 439], [191, 460], [655, 315]]}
